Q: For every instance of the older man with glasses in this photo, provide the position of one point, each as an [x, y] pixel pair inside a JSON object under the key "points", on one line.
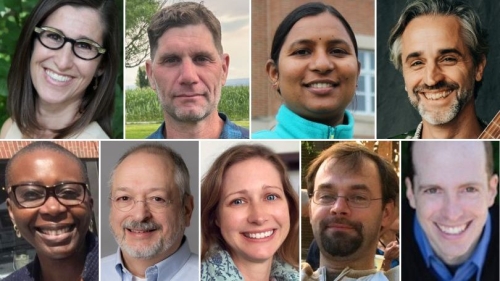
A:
{"points": [[151, 205], [352, 194]]}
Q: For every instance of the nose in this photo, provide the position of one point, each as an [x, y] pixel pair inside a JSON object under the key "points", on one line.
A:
{"points": [[52, 207], [321, 62], [188, 73], [433, 74], [64, 57], [141, 211], [257, 214], [452, 207], [340, 207]]}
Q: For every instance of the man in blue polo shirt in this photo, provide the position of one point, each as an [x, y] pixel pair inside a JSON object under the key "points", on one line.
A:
{"points": [[187, 70], [453, 232]]}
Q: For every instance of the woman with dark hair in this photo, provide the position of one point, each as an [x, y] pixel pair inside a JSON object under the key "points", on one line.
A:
{"points": [[314, 67], [61, 83], [249, 218]]}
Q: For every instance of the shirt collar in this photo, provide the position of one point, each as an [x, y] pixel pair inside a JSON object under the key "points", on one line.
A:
{"points": [[477, 258]]}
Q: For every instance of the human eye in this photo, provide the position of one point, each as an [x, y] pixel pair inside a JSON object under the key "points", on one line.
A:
{"points": [[237, 202], [272, 197], [53, 36], [30, 193], [123, 198], [326, 197], [416, 63], [338, 51], [431, 190], [301, 52], [69, 192], [84, 45], [471, 189], [202, 59], [170, 60], [358, 198]]}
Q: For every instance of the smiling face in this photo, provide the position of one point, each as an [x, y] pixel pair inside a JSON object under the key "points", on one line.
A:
{"points": [[144, 232], [451, 193], [346, 233], [253, 211], [59, 76], [188, 73], [317, 69], [438, 69], [54, 230]]}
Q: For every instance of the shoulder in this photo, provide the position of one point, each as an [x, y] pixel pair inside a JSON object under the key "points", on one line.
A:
{"points": [[265, 134], [25, 273], [158, 134], [92, 131], [231, 130], [5, 128]]}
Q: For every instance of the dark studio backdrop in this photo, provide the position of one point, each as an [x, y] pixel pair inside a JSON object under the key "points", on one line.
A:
{"points": [[395, 114]]}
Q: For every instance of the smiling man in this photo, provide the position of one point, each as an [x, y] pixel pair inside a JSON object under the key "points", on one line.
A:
{"points": [[352, 194], [187, 70], [441, 49], [452, 234], [151, 205]]}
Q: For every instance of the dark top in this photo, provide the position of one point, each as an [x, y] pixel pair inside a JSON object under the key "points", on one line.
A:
{"points": [[31, 272]]}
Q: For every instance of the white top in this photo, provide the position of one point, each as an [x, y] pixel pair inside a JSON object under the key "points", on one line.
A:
{"points": [[92, 131]]}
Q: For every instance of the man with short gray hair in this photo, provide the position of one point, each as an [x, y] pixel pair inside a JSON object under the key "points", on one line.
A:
{"points": [[151, 205]]}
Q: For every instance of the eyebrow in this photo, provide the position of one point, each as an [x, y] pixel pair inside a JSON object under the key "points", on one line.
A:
{"points": [[336, 41], [152, 189], [362, 187], [245, 191]]}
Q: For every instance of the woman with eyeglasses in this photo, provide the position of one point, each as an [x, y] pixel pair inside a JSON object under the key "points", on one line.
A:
{"points": [[249, 218], [61, 83], [50, 205]]}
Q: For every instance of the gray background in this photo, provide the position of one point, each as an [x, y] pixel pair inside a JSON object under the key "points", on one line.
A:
{"points": [[395, 115], [111, 151]]}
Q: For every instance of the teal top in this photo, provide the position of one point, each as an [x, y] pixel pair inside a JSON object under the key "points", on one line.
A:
{"points": [[219, 266], [292, 126]]}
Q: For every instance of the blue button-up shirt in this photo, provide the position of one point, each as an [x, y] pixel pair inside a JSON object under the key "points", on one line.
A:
{"points": [[229, 131], [467, 270], [180, 266]]}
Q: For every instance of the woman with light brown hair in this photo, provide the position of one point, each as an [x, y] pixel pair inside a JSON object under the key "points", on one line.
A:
{"points": [[249, 217]]}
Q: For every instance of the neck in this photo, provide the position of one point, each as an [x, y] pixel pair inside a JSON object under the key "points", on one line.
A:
{"points": [[464, 126], [55, 117], [68, 269], [208, 128], [254, 271]]}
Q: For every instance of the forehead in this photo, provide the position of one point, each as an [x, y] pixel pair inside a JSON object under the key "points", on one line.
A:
{"points": [[77, 22], [323, 27], [339, 175], [449, 161], [253, 173], [142, 170], [192, 37], [431, 33]]}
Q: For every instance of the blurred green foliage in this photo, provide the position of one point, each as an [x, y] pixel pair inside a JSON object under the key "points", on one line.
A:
{"points": [[13, 13]]}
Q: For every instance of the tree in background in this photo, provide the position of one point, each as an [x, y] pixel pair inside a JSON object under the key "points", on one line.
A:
{"points": [[141, 81], [138, 15]]}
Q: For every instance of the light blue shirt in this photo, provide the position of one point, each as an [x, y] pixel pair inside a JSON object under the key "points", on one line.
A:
{"points": [[292, 126], [470, 268], [182, 265]]}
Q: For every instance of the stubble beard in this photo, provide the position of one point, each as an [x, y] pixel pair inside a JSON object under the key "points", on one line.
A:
{"points": [[159, 246], [340, 244], [463, 96]]}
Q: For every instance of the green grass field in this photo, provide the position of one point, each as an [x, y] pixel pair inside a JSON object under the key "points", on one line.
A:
{"points": [[141, 131]]}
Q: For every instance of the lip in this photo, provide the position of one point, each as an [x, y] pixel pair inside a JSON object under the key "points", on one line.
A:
{"points": [[454, 231], [321, 87], [260, 235], [339, 227], [55, 234], [436, 95], [140, 233], [56, 78]]}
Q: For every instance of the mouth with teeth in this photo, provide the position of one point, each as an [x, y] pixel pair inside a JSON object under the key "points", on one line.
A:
{"points": [[321, 85], [453, 230], [436, 96], [139, 231], [55, 231], [259, 235], [57, 77]]}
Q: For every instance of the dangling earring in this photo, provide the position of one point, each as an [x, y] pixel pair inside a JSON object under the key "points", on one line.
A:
{"points": [[18, 233], [91, 225], [96, 84]]}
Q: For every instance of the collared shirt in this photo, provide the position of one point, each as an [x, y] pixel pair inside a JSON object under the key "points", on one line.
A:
{"points": [[292, 126], [32, 271], [229, 131], [417, 133], [349, 274], [180, 266], [471, 267]]}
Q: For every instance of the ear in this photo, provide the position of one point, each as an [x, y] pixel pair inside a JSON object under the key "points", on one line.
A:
{"points": [[273, 73], [359, 68], [492, 189], [9, 208], [225, 68], [409, 192], [149, 73], [388, 214], [188, 209], [480, 69]]}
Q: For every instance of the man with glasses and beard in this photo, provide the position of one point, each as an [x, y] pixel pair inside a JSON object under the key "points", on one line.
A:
{"points": [[440, 47], [352, 195], [151, 205]]}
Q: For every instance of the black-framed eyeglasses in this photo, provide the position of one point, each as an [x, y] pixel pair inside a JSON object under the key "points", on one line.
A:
{"points": [[53, 39], [127, 203], [353, 200], [33, 195]]}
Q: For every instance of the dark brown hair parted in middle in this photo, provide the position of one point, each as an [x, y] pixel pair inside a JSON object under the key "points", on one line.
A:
{"points": [[211, 191]]}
